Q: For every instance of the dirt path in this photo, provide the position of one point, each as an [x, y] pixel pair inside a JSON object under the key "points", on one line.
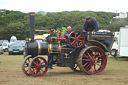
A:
{"points": [[116, 73]]}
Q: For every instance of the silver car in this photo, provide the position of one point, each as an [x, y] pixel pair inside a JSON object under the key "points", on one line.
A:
{"points": [[15, 48], [1, 49]]}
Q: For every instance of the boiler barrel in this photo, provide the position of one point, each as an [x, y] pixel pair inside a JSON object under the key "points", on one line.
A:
{"points": [[38, 48]]}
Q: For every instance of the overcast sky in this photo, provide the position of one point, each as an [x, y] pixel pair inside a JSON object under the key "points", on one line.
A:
{"points": [[65, 5]]}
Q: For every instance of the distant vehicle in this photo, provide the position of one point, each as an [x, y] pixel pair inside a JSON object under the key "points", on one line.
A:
{"points": [[23, 42], [1, 41], [5, 46], [115, 46], [13, 39], [120, 45], [46, 35], [1, 49], [40, 38], [5, 41], [15, 48], [103, 30]]}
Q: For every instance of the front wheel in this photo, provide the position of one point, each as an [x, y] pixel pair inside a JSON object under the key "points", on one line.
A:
{"points": [[38, 66]]}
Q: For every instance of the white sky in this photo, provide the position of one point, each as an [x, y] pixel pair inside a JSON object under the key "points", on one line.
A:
{"points": [[65, 5]]}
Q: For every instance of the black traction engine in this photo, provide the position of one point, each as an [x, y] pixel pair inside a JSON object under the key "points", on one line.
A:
{"points": [[81, 51]]}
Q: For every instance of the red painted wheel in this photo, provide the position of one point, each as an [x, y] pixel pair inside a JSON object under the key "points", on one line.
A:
{"points": [[38, 66], [92, 60], [76, 39], [25, 65]]}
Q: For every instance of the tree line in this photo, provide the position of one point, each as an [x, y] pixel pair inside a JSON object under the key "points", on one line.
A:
{"points": [[17, 23]]}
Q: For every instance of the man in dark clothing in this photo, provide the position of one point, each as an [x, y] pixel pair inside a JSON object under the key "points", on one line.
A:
{"points": [[69, 30], [90, 24]]}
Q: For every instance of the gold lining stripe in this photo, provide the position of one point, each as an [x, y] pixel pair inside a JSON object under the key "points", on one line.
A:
{"points": [[99, 36], [39, 48], [99, 43]]}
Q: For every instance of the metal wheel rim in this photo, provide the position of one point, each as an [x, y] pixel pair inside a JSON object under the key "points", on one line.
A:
{"points": [[36, 70], [91, 64], [25, 65]]}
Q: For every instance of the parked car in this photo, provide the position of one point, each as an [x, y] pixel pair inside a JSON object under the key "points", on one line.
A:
{"points": [[23, 42], [1, 49], [5, 46], [15, 48]]}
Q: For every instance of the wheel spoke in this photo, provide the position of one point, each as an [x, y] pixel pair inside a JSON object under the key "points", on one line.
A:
{"points": [[80, 40], [33, 66], [98, 56], [42, 70], [94, 67], [36, 71], [75, 35], [85, 56], [92, 52], [98, 64], [85, 63], [73, 42], [77, 43], [86, 60], [88, 66], [89, 54], [94, 55], [79, 36], [98, 60], [35, 63], [72, 38], [41, 63], [91, 68]]}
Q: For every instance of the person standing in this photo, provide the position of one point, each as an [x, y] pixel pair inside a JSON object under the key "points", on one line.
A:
{"points": [[90, 24]]}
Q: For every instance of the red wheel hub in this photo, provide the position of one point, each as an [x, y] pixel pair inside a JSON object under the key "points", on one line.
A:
{"points": [[76, 39]]}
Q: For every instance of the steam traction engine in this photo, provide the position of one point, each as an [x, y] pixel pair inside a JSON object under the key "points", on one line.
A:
{"points": [[85, 52]]}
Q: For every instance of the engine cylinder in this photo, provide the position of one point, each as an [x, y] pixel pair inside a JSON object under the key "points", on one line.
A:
{"points": [[41, 48]]}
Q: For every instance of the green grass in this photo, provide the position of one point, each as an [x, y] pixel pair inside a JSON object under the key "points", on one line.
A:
{"points": [[115, 73]]}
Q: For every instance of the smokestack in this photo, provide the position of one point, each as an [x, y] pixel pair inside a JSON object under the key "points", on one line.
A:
{"points": [[32, 26]]}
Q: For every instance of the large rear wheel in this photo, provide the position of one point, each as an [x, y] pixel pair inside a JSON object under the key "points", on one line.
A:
{"points": [[92, 60]]}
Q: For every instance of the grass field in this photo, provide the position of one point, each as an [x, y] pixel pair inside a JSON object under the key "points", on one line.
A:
{"points": [[115, 73]]}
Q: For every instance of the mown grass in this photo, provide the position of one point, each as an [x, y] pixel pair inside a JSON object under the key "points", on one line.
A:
{"points": [[115, 73]]}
